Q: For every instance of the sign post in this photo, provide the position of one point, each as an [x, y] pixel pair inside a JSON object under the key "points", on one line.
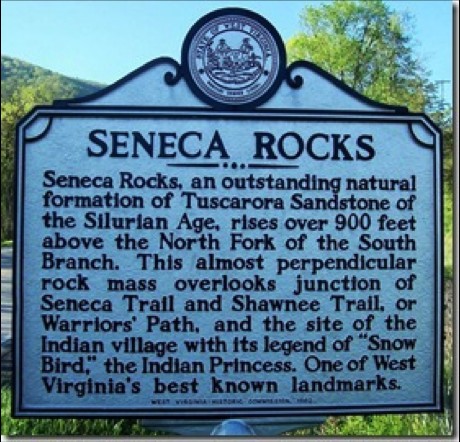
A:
{"points": [[227, 237]]}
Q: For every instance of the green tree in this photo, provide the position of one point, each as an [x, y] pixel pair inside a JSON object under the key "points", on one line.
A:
{"points": [[367, 46], [19, 104], [443, 118]]}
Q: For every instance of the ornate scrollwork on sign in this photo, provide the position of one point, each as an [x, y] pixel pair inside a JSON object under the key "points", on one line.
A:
{"points": [[172, 78], [295, 82]]}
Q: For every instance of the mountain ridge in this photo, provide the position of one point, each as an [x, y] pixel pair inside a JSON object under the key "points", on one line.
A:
{"points": [[16, 73]]}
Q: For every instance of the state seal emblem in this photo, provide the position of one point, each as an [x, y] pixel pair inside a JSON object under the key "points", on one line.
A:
{"points": [[233, 58]]}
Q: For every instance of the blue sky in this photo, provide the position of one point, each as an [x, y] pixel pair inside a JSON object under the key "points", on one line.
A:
{"points": [[105, 40]]}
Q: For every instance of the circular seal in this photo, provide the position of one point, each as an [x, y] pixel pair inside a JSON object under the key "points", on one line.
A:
{"points": [[233, 57]]}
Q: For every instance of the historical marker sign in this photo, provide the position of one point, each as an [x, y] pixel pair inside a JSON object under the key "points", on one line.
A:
{"points": [[227, 237]]}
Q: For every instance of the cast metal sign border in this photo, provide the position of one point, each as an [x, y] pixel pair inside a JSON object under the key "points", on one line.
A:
{"points": [[78, 108], [195, 113]]}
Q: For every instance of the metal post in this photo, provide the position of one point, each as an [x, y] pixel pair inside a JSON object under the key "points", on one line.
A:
{"points": [[233, 427], [250, 426]]}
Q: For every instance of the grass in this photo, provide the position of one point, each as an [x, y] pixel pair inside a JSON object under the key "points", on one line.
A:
{"points": [[384, 425], [7, 243], [433, 424], [448, 237], [67, 427], [438, 424]]}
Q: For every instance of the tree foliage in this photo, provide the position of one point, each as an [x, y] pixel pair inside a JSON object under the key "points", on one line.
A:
{"points": [[13, 109], [22, 100], [17, 73], [24, 86], [367, 46]]}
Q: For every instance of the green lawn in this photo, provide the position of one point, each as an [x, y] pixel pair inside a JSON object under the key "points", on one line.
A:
{"points": [[433, 424], [67, 427], [448, 237]]}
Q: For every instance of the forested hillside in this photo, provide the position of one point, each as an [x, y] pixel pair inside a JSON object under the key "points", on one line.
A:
{"points": [[17, 73], [24, 86]]}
